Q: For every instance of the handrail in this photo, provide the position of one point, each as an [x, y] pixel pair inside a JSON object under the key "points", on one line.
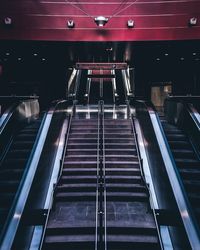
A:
{"points": [[97, 185], [66, 140], [8, 113], [60, 170], [185, 211], [143, 176], [88, 85], [104, 177], [6, 116], [21, 196], [77, 83], [19, 97], [194, 114], [100, 239], [114, 87], [183, 96]]}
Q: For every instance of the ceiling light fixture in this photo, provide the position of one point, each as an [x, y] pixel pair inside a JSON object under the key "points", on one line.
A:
{"points": [[70, 24], [8, 21], [101, 21], [130, 23], [193, 21]]}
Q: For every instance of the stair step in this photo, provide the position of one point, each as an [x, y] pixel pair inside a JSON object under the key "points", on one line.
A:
{"points": [[14, 163], [110, 196], [108, 152], [93, 171], [22, 144], [179, 144], [190, 174], [110, 187], [176, 137], [9, 186], [183, 153], [10, 174], [187, 163]]}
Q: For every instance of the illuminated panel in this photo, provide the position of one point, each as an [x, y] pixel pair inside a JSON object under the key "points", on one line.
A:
{"points": [[103, 66]]}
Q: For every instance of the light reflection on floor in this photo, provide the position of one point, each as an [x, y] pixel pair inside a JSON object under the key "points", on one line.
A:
{"points": [[110, 111]]}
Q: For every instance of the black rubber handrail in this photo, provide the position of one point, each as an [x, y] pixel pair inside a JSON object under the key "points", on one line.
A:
{"points": [[8, 113], [194, 114], [60, 170], [142, 173]]}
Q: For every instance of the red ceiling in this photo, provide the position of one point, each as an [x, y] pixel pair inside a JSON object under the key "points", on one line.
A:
{"points": [[46, 20]]}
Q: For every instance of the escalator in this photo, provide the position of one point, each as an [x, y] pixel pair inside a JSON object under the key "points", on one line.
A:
{"points": [[101, 200], [187, 162], [13, 166]]}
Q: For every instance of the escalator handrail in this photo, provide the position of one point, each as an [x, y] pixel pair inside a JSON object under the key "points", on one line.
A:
{"points": [[6, 116], [143, 176], [59, 172], [194, 114], [181, 198], [66, 140], [97, 184], [12, 223], [8, 113]]}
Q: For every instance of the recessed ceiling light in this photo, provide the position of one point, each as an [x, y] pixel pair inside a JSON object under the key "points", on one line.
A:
{"points": [[43, 59], [7, 53], [157, 59], [182, 58], [19, 58], [166, 54], [35, 54], [194, 53]]}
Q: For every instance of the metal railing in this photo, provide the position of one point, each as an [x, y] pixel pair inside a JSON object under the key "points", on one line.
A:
{"points": [[97, 185], [104, 177], [101, 235]]}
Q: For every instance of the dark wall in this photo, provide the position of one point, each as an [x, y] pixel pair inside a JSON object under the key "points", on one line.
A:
{"points": [[32, 67], [176, 62]]}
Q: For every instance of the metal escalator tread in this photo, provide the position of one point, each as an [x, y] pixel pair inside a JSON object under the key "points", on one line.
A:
{"points": [[187, 163], [13, 167], [130, 223]]}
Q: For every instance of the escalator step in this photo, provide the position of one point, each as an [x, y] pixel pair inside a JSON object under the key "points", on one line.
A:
{"points": [[183, 153], [10, 174]]}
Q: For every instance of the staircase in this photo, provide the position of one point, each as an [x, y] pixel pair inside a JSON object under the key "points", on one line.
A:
{"points": [[72, 221], [129, 220], [130, 223]]}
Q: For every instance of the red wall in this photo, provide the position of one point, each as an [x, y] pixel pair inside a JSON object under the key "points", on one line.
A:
{"points": [[46, 20]]}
